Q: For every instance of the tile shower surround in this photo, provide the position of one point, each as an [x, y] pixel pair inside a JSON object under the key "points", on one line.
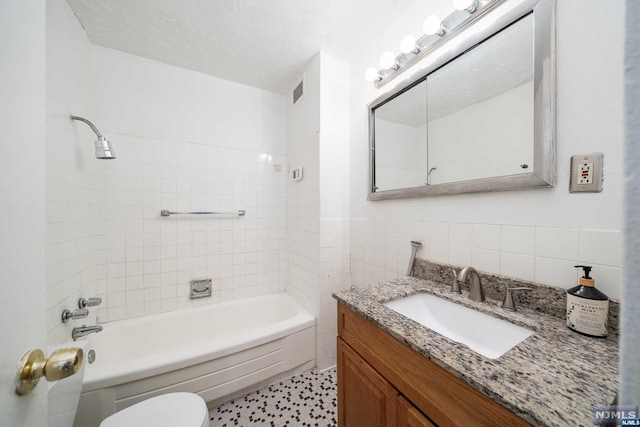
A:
{"points": [[149, 260]]}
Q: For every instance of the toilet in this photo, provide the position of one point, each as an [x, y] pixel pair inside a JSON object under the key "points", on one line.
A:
{"points": [[172, 409], [167, 410]]}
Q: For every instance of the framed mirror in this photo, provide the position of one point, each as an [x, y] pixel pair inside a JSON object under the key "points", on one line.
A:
{"points": [[480, 118]]}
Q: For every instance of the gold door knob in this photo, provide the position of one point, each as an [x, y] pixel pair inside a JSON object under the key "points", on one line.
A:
{"points": [[33, 366]]}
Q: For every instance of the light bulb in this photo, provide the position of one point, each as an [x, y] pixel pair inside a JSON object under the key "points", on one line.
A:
{"points": [[468, 5], [387, 60], [432, 25], [407, 44], [371, 74]]}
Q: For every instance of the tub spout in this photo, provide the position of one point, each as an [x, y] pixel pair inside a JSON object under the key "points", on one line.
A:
{"points": [[81, 331], [415, 245]]}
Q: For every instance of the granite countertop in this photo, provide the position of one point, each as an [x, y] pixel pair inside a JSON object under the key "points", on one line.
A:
{"points": [[553, 378]]}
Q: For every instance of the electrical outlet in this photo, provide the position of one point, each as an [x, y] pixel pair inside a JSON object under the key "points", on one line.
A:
{"points": [[586, 173]]}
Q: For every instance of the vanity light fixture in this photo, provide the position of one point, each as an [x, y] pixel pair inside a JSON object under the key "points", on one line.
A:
{"points": [[371, 75], [468, 5], [436, 32], [388, 61], [408, 45], [433, 26]]}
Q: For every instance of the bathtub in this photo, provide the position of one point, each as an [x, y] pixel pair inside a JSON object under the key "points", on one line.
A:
{"points": [[216, 351]]}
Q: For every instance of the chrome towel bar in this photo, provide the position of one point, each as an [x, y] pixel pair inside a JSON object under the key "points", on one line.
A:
{"points": [[167, 213]]}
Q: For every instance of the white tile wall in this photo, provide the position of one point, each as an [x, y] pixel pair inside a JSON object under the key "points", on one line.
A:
{"points": [[559, 243], [539, 254], [334, 276], [600, 247], [317, 206], [486, 236], [149, 260], [519, 240], [517, 266], [105, 236], [74, 192]]}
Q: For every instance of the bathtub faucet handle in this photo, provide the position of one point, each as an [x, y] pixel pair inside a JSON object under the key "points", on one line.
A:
{"points": [[89, 302], [79, 313]]}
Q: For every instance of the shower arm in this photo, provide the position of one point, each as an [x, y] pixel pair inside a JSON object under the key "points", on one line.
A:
{"points": [[93, 128]]}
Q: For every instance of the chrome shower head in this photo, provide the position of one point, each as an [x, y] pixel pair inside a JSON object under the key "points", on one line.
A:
{"points": [[104, 150]]}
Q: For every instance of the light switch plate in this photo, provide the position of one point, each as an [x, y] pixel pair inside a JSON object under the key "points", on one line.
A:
{"points": [[586, 173]]}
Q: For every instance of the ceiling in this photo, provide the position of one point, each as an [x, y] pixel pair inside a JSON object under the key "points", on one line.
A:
{"points": [[261, 43]]}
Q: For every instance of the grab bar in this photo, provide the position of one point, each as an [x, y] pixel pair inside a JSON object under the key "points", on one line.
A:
{"points": [[167, 213]]}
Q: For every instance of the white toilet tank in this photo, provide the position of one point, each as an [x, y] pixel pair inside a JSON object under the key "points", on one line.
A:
{"points": [[64, 394]]}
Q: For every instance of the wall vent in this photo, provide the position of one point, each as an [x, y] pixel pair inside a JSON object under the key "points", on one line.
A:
{"points": [[298, 92]]}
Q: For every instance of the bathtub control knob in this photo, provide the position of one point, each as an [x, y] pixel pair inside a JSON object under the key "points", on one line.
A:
{"points": [[89, 302], [79, 313], [91, 356]]}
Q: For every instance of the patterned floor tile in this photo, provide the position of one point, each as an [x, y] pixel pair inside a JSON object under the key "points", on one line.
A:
{"points": [[307, 399]]}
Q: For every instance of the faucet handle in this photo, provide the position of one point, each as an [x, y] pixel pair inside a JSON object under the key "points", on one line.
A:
{"points": [[455, 286], [508, 303], [78, 313], [89, 302]]}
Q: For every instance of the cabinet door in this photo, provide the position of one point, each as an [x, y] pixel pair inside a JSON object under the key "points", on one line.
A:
{"points": [[410, 416], [365, 398]]}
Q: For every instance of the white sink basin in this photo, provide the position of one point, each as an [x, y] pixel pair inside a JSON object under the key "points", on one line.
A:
{"points": [[484, 334]]}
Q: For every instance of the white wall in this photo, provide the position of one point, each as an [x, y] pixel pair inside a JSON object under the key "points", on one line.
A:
{"points": [[303, 197], [334, 199], [485, 229], [187, 141], [317, 206], [22, 217], [75, 188]]}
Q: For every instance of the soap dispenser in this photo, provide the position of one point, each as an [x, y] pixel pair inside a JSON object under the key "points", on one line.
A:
{"points": [[587, 307]]}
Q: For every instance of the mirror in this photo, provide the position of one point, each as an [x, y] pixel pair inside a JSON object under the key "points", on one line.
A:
{"points": [[479, 120], [401, 129]]}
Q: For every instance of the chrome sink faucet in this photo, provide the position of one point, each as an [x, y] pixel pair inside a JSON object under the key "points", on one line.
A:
{"points": [[476, 293], [81, 331]]}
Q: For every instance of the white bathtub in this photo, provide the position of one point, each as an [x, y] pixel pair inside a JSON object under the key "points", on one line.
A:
{"points": [[215, 351]]}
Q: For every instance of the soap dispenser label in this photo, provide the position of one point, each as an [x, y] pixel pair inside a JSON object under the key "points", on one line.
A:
{"points": [[587, 316]]}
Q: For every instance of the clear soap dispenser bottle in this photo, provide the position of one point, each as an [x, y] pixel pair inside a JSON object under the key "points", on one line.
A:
{"points": [[587, 307]]}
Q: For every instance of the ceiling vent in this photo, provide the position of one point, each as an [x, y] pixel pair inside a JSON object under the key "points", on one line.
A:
{"points": [[298, 92]]}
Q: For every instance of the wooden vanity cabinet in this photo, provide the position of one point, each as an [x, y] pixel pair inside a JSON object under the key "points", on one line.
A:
{"points": [[370, 398], [410, 416], [382, 382]]}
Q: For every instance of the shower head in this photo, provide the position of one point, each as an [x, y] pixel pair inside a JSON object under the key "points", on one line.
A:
{"points": [[104, 150]]}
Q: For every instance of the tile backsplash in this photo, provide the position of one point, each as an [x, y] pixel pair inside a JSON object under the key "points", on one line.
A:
{"points": [[380, 250], [546, 299]]}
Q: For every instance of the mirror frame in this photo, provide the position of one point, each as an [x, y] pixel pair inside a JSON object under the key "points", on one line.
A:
{"points": [[543, 173]]}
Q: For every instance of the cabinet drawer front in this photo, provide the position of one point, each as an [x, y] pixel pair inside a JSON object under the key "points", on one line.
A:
{"points": [[447, 400]]}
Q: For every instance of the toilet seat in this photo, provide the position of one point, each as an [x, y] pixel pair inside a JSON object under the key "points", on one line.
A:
{"points": [[167, 410]]}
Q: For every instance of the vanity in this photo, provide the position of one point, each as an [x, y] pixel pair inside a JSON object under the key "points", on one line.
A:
{"points": [[476, 114], [393, 371]]}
